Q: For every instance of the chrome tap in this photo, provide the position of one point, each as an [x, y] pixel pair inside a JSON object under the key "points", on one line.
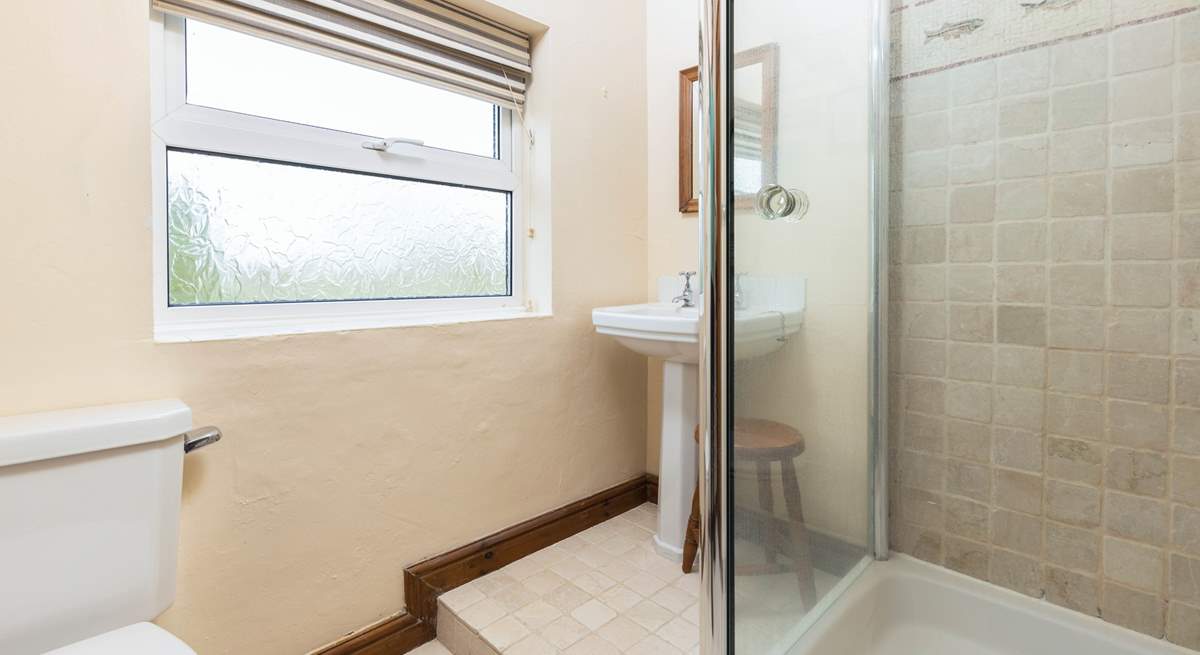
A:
{"points": [[686, 295], [739, 297]]}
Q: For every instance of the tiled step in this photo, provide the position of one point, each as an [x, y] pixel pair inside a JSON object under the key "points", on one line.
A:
{"points": [[458, 637], [432, 648], [604, 591]]}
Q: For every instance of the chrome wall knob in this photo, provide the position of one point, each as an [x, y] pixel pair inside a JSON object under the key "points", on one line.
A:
{"points": [[774, 202]]}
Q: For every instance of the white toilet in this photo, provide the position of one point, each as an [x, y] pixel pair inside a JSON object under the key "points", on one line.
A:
{"points": [[89, 528]]}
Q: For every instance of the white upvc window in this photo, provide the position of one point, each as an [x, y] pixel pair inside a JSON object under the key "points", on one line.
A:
{"points": [[293, 193]]}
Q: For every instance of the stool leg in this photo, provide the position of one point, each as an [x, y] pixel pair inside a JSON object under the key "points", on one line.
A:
{"points": [[766, 500], [801, 553], [691, 538]]}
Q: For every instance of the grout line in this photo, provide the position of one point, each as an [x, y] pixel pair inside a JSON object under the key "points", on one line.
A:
{"points": [[1043, 44]]}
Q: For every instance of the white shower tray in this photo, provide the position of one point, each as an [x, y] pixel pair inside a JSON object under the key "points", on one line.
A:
{"points": [[908, 607]]}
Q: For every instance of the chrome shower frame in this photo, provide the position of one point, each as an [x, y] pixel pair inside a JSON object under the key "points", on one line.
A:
{"points": [[715, 575], [879, 114]]}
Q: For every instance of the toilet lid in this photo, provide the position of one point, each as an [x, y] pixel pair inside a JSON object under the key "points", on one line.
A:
{"points": [[136, 639]]}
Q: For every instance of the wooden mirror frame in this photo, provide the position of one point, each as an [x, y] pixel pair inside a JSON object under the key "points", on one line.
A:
{"points": [[768, 56], [688, 203]]}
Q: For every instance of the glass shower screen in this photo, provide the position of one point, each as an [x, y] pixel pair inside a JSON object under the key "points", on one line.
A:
{"points": [[798, 312]]}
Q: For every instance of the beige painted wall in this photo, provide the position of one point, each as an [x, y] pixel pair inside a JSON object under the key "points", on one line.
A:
{"points": [[818, 382], [671, 237], [347, 455]]}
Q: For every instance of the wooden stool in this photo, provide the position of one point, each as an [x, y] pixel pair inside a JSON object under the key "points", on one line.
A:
{"points": [[765, 442], [691, 537]]}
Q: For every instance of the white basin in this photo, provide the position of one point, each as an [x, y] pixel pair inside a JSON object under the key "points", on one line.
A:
{"points": [[671, 332], [662, 330], [760, 331]]}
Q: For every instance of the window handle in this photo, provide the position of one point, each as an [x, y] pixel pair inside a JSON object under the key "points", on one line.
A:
{"points": [[383, 145]]}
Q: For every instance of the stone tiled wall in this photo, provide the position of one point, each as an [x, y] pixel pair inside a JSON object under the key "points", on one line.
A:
{"points": [[999, 27], [1045, 346]]}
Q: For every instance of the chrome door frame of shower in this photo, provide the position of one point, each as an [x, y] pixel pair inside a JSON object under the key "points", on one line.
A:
{"points": [[715, 608], [716, 52]]}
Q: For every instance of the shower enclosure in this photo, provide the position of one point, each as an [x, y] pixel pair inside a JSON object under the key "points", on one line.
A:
{"points": [[791, 479], [976, 224]]}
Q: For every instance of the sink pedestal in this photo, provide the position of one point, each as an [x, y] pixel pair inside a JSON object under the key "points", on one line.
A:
{"points": [[677, 462]]}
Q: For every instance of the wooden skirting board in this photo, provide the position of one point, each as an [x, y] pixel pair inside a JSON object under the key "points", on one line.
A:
{"points": [[399, 634], [425, 581]]}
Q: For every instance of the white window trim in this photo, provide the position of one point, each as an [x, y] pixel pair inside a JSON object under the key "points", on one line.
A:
{"points": [[175, 124]]}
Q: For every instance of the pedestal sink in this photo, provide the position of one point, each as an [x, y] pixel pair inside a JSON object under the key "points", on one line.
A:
{"points": [[774, 311]]}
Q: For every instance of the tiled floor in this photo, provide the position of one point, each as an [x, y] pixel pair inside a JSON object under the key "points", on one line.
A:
{"points": [[603, 591], [606, 591]]}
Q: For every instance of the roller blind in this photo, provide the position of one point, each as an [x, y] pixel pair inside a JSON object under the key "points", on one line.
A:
{"points": [[430, 41]]}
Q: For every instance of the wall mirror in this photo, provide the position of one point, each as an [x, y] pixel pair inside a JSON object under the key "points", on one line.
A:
{"points": [[755, 147]]}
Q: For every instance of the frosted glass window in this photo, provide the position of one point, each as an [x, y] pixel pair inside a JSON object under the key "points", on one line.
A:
{"points": [[245, 74], [249, 231]]}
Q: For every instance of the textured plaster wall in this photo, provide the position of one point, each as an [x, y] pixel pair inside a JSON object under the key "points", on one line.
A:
{"points": [[347, 455], [816, 383], [671, 236]]}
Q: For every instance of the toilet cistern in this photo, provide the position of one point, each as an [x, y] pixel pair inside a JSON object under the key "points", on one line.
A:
{"points": [[106, 481]]}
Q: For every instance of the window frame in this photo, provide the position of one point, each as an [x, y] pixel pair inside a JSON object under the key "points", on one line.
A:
{"points": [[178, 125]]}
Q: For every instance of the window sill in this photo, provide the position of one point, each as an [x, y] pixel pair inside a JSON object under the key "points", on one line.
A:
{"points": [[250, 328]]}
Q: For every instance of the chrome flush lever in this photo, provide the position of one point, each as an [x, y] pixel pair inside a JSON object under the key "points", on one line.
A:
{"points": [[200, 437], [383, 145]]}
